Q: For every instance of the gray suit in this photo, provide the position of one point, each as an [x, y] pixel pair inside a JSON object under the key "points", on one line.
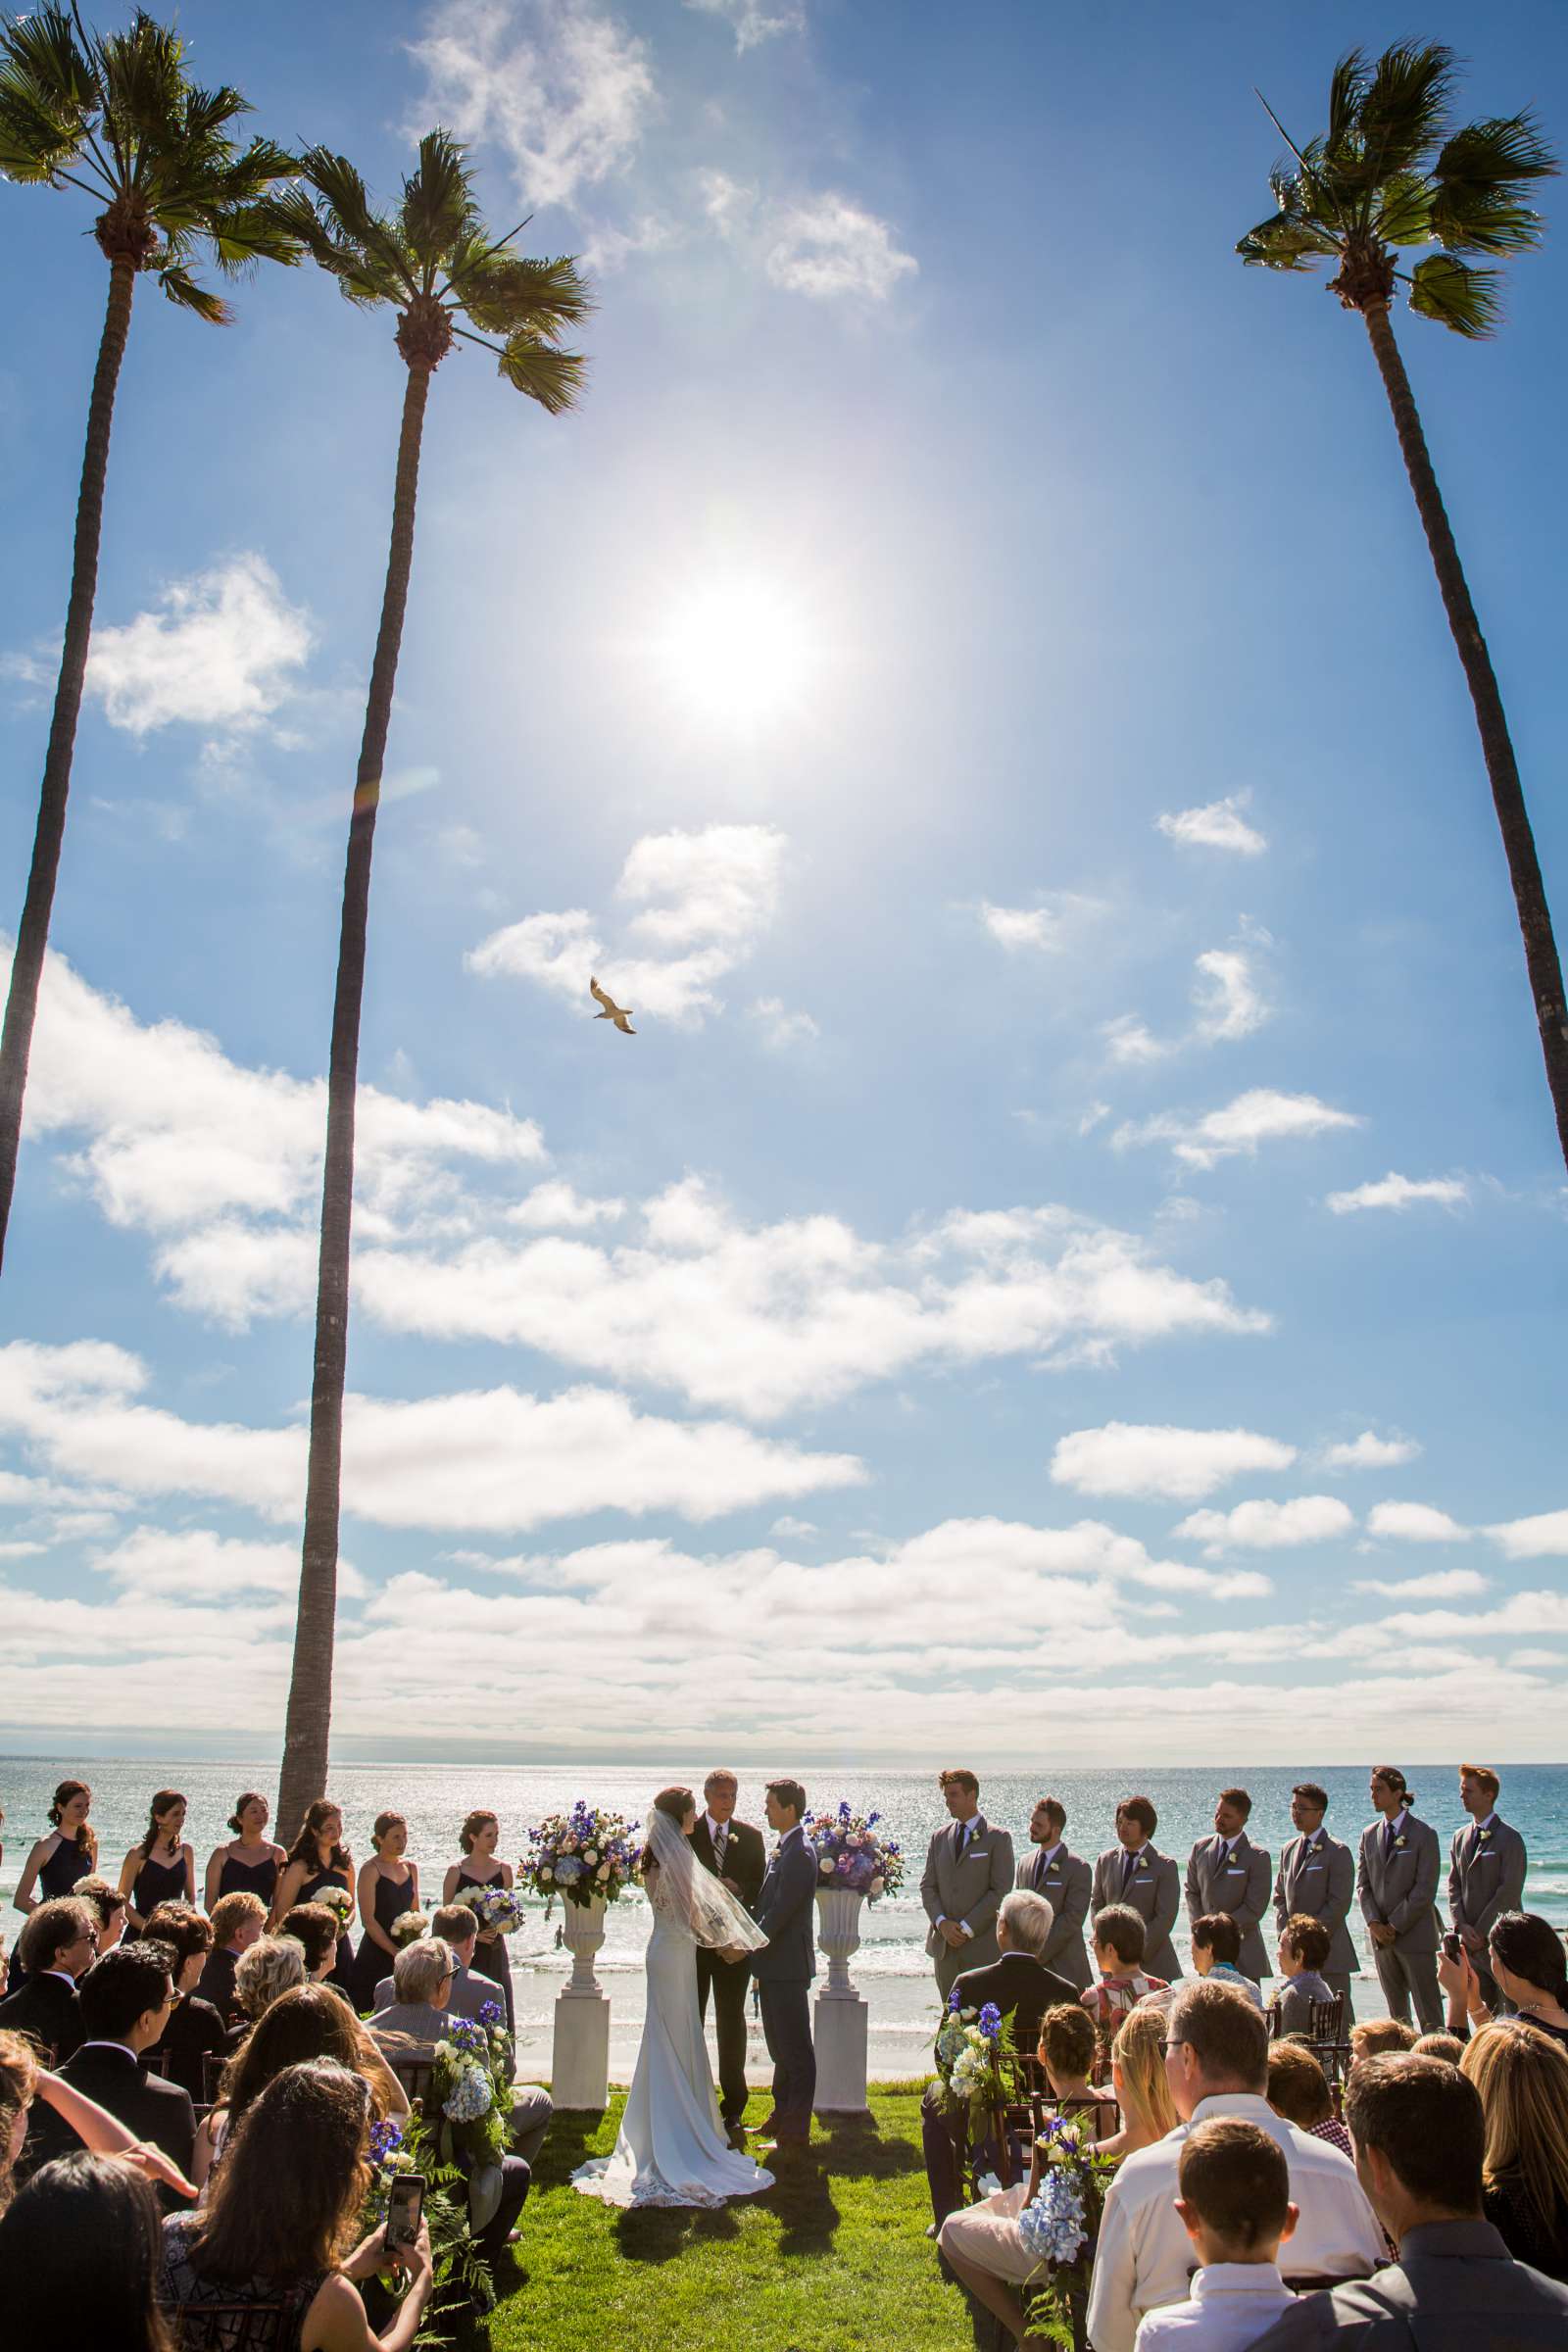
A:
{"points": [[470, 1994], [1455, 2288], [1236, 1885], [1399, 1888], [964, 1880], [1485, 1877], [1065, 1883], [1154, 1891], [1321, 1883]]}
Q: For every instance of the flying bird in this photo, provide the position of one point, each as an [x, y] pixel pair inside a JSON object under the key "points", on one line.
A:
{"points": [[621, 1014]]}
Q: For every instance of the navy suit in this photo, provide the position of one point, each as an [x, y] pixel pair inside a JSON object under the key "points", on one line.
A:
{"points": [[782, 1971]]}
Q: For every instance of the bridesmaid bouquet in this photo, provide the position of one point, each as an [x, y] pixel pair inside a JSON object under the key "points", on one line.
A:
{"points": [[853, 1853], [339, 1900], [496, 1908], [408, 1928], [580, 1854]]}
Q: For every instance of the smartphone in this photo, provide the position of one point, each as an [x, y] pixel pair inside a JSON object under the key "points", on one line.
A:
{"points": [[1452, 1947], [405, 2209]]}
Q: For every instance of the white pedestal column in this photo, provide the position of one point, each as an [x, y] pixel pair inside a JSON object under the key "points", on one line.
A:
{"points": [[580, 2072], [840, 2028]]}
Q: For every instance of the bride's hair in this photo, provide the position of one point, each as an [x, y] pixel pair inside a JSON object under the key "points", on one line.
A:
{"points": [[677, 1803]]}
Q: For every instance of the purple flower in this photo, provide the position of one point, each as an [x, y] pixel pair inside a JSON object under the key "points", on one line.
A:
{"points": [[490, 2012]]}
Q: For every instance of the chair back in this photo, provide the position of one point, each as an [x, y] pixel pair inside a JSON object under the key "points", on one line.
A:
{"points": [[156, 2061], [231, 2326], [416, 2076], [1311, 2282], [1328, 2020], [214, 2062]]}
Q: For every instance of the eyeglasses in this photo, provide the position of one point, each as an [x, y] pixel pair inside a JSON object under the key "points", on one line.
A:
{"points": [[1175, 2042]]}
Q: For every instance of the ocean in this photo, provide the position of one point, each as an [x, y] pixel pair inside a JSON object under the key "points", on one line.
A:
{"points": [[891, 1966]]}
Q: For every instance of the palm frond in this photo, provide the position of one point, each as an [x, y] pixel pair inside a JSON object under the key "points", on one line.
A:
{"points": [[438, 211], [1481, 175], [1284, 242], [145, 88], [182, 290], [1404, 107], [47, 96], [46, 49], [505, 293], [248, 234], [1468, 301], [1346, 90], [352, 222], [1403, 214], [553, 379]]}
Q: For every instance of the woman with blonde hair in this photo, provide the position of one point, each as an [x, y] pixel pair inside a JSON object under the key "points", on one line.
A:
{"points": [[274, 1965], [1138, 2078], [1521, 2078]]}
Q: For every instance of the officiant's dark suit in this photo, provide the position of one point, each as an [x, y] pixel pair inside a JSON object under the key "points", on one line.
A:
{"points": [[786, 1913], [745, 1865]]}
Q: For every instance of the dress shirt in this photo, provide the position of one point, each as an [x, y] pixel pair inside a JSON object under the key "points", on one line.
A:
{"points": [[1144, 2252], [1393, 1830], [1047, 1853], [1230, 2306]]}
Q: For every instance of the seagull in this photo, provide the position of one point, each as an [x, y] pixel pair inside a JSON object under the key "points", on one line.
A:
{"points": [[621, 1014]]}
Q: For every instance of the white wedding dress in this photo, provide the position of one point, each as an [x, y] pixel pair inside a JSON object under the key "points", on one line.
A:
{"points": [[672, 2148]]}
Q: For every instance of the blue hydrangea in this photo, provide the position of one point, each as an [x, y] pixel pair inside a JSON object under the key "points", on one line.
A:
{"points": [[569, 1870], [470, 2097], [1052, 2227]]}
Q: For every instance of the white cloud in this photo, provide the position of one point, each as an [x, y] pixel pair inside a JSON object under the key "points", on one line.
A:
{"points": [[563, 87], [195, 1564], [1260, 1115], [1545, 1537], [1129, 1039], [607, 248], [1184, 1464], [752, 21], [728, 204], [1369, 1451], [782, 1029], [1052, 928], [1440, 1584], [1521, 1613], [1269, 1526], [221, 651], [703, 901], [1400, 1193], [830, 248], [1230, 1002], [556, 1206], [1219, 825], [1414, 1522], [796, 1529]]}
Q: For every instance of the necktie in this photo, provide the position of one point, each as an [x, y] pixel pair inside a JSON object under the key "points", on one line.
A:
{"points": [[1388, 1838], [1040, 1865], [1129, 1865], [1475, 1840], [720, 1844]]}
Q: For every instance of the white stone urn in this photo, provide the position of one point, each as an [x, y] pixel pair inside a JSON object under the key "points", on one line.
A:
{"points": [[838, 1933], [582, 1932]]}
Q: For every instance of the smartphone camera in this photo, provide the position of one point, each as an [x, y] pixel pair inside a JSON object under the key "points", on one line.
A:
{"points": [[405, 2209]]}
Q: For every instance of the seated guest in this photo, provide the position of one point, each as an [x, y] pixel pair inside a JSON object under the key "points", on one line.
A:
{"points": [[80, 2253], [313, 1926], [1067, 2047], [1522, 2081], [314, 2020], [1216, 2063], [1530, 1964], [125, 2000], [1119, 1942], [238, 1920], [1446, 2046], [1022, 1988], [1304, 1951], [110, 1905], [1138, 2079], [273, 1966], [1216, 1949], [1380, 2037], [1235, 2206], [281, 2217], [195, 2031], [1298, 2089], [24, 2082], [56, 1948], [1419, 2141], [455, 1926], [417, 2017]]}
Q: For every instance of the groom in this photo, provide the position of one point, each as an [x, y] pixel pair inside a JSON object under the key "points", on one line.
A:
{"points": [[786, 1964], [734, 1853]]}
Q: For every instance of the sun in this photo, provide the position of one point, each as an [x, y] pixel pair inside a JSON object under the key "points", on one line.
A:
{"points": [[737, 651]]}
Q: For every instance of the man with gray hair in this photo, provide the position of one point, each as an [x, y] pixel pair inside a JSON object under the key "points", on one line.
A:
{"points": [[736, 1852], [458, 1928], [1023, 1988]]}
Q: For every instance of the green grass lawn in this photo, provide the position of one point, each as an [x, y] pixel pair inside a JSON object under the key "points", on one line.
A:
{"points": [[834, 2256]]}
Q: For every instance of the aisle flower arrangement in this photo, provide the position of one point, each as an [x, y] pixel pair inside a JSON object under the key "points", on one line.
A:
{"points": [[496, 1908], [968, 2051], [1059, 2225], [853, 1854], [580, 1854], [408, 2146], [470, 2090], [409, 1927]]}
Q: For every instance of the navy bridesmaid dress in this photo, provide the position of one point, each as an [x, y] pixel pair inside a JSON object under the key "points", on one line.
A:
{"points": [[491, 1959], [59, 1875], [249, 1878], [370, 1963], [341, 1972], [156, 1882]]}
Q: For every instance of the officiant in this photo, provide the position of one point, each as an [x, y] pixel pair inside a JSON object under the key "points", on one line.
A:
{"points": [[734, 1851]]}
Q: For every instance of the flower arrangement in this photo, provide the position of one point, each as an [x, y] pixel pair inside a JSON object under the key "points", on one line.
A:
{"points": [[460, 2268], [969, 2069], [496, 1908], [1059, 2224], [471, 2092], [409, 1927], [580, 1854], [339, 1900], [853, 1853]]}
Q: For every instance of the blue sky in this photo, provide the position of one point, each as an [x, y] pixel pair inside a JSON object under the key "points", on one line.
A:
{"points": [[971, 675]]}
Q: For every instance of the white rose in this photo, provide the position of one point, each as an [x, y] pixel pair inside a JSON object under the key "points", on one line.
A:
{"points": [[544, 1871], [590, 1856], [603, 1872], [826, 1869]]}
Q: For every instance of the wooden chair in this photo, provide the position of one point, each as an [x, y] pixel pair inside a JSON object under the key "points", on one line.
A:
{"points": [[214, 2063], [416, 2076], [231, 2326], [1023, 2081], [156, 2062]]}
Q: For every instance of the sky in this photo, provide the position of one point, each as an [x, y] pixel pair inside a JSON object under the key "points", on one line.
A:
{"points": [[1073, 1257]]}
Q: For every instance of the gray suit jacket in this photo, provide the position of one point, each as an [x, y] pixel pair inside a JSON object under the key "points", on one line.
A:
{"points": [[1065, 1887], [1240, 1887], [411, 2030], [1154, 1894], [971, 1889], [470, 1994], [1401, 1888], [1455, 2288], [1323, 1886], [1486, 1874]]}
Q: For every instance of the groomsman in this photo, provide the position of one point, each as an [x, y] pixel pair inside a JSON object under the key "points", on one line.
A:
{"points": [[1228, 1873], [1486, 1866], [967, 1871], [1317, 1878], [1064, 1883], [1397, 1883], [733, 1852], [786, 1913], [1131, 1872]]}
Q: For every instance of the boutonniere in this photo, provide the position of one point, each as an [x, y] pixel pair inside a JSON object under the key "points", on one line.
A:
{"points": [[1399, 1845], [1485, 1835]]}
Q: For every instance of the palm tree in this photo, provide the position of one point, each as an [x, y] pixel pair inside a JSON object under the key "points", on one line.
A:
{"points": [[435, 264], [115, 119], [1391, 175]]}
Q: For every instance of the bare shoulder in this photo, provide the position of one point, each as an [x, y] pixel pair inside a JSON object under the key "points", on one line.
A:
{"points": [[335, 2321]]}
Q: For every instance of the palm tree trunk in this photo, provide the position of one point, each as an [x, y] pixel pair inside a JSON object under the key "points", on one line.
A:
{"points": [[309, 1697], [32, 933], [1513, 818]]}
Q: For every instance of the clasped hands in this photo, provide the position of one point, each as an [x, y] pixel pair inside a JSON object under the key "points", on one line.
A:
{"points": [[951, 1935]]}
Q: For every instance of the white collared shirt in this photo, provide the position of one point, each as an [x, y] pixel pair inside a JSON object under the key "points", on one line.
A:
{"points": [[1397, 1825], [717, 1829], [1490, 1823], [1048, 1853], [1144, 2252], [1231, 2305]]}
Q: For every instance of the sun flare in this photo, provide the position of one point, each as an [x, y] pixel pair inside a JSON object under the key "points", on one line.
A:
{"points": [[737, 651]]}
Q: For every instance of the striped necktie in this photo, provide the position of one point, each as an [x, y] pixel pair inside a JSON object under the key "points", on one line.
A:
{"points": [[720, 1844]]}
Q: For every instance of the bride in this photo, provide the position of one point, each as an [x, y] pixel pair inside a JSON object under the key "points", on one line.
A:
{"points": [[672, 2149]]}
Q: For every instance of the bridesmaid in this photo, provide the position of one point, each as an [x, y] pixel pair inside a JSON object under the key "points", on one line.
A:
{"points": [[478, 1838], [159, 1869], [319, 1858], [250, 1863], [67, 1852], [387, 1888]]}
